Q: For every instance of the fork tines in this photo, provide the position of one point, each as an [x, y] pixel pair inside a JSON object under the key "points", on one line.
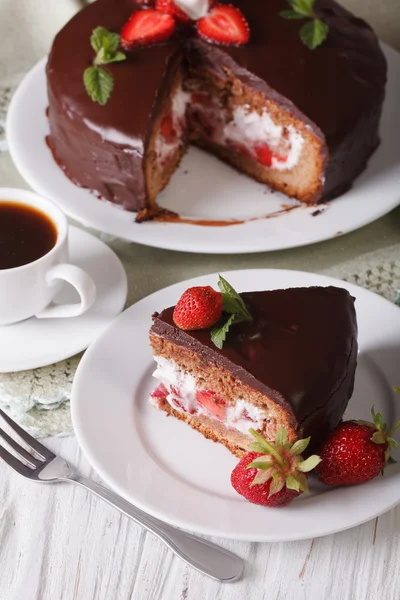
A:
{"points": [[38, 449]]}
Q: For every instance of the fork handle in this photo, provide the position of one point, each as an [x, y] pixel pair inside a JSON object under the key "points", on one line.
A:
{"points": [[200, 554]]}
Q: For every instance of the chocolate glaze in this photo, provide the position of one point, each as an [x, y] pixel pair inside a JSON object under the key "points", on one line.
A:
{"points": [[338, 89], [300, 351]]}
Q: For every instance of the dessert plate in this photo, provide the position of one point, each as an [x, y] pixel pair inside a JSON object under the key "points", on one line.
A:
{"points": [[172, 472], [36, 343], [204, 188]]}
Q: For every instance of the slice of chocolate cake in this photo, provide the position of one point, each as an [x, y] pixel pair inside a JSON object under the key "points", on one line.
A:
{"points": [[293, 366]]}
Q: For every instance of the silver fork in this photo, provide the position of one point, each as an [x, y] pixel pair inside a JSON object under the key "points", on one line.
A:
{"points": [[41, 465]]}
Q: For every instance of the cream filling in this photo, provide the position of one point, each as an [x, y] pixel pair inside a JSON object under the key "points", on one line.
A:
{"points": [[249, 128], [179, 105], [182, 389], [194, 8]]}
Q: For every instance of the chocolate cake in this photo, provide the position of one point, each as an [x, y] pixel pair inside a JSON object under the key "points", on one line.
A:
{"points": [[302, 121], [292, 367]]}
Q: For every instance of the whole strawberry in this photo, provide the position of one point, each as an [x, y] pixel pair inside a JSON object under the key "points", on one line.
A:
{"points": [[356, 451], [273, 474], [198, 308]]}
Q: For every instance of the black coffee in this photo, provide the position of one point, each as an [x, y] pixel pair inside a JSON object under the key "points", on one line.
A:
{"points": [[26, 234]]}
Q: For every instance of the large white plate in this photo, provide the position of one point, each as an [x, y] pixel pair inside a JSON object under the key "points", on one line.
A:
{"points": [[205, 188], [171, 471]]}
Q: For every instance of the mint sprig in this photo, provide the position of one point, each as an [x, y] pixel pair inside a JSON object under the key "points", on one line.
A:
{"points": [[313, 33], [235, 312], [98, 81]]}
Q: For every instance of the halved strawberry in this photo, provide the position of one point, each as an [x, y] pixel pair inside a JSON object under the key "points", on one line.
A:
{"points": [[167, 129], [213, 403], [224, 24], [147, 27]]}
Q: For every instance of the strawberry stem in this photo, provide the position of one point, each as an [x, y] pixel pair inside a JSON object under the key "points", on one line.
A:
{"points": [[269, 448], [393, 429]]}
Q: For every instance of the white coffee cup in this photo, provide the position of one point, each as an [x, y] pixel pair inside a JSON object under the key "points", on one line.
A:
{"points": [[30, 289]]}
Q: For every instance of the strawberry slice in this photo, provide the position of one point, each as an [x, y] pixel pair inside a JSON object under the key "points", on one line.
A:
{"points": [[224, 24], [281, 157], [265, 155], [147, 27], [167, 129], [160, 391], [213, 403]]}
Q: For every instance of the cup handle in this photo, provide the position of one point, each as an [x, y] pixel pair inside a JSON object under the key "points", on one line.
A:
{"points": [[83, 284]]}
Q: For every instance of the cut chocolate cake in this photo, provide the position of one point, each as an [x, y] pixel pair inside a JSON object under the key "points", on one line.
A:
{"points": [[302, 121], [292, 367]]}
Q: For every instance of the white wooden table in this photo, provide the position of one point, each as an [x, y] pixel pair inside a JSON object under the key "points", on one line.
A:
{"points": [[58, 542]]}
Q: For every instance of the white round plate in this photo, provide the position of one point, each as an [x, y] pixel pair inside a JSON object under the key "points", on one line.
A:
{"points": [[172, 472], [36, 343], [205, 188]]}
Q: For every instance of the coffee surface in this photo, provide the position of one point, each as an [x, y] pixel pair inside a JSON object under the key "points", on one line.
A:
{"points": [[26, 234]]}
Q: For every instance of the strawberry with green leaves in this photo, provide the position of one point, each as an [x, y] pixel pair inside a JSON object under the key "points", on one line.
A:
{"points": [[356, 451], [274, 473]]}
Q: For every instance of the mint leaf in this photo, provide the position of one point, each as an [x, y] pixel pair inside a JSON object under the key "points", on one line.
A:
{"points": [[117, 57], [98, 83], [303, 7], [99, 37], [312, 34], [232, 302], [105, 58], [291, 14], [218, 333]]}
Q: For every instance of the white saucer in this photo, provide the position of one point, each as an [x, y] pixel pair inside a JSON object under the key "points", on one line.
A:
{"points": [[36, 343], [206, 189], [172, 472]]}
